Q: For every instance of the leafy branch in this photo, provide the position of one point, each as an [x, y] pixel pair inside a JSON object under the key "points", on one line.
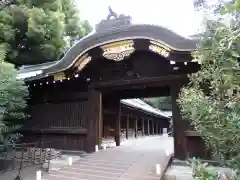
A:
{"points": [[211, 100]]}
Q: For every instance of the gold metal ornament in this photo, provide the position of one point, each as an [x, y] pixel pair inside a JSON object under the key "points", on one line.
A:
{"points": [[118, 51], [160, 49], [82, 61]]}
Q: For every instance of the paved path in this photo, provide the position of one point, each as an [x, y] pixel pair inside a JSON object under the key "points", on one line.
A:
{"points": [[135, 160]]}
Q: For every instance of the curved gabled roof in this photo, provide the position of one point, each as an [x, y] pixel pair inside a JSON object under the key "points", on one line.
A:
{"points": [[118, 29], [151, 32]]}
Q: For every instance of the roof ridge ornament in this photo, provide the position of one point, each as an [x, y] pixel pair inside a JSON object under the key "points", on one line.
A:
{"points": [[113, 20], [111, 13]]}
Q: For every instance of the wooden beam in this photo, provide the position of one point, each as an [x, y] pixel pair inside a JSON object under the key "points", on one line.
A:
{"points": [[149, 81], [77, 131], [142, 92]]}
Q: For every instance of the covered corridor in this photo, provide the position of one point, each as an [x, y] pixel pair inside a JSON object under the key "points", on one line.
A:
{"points": [[135, 119]]}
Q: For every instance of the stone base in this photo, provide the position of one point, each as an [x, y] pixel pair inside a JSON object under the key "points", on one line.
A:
{"points": [[178, 173]]}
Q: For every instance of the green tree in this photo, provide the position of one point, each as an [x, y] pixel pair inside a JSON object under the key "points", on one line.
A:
{"points": [[163, 103], [75, 29], [215, 7], [211, 101], [13, 94], [39, 31]]}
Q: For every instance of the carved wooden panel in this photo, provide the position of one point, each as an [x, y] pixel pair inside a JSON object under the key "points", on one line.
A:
{"points": [[138, 65]]}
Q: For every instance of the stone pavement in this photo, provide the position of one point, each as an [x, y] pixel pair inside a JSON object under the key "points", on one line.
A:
{"points": [[28, 173], [136, 159]]}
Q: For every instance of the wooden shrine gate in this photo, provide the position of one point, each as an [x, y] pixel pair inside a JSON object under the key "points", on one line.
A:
{"points": [[119, 61]]}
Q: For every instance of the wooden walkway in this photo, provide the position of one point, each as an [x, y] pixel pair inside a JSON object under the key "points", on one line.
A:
{"points": [[135, 160]]}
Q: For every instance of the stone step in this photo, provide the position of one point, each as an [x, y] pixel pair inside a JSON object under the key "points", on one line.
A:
{"points": [[136, 160]]}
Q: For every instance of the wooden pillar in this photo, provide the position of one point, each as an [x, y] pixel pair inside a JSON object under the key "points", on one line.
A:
{"points": [[131, 125], [94, 120], [178, 124], [143, 128], [127, 126], [118, 124], [148, 127], [152, 127], [160, 129], [136, 127], [157, 130]]}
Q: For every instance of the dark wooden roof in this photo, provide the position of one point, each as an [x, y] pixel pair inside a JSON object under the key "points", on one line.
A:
{"points": [[116, 29], [152, 32]]}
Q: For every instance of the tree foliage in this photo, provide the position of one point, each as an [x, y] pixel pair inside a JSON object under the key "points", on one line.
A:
{"points": [[163, 103], [211, 101], [39, 31], [214, 6], [13, 94]]}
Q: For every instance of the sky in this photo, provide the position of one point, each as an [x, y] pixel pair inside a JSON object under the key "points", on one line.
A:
{"points": [[176, 15]]}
